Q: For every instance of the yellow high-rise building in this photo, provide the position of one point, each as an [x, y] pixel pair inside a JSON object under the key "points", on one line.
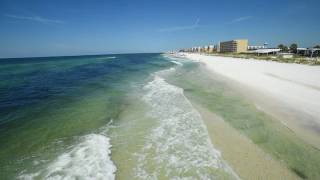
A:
{"points": [[234, 46]]}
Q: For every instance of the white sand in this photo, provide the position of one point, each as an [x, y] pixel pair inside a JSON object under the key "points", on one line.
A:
{"points": [[296, 86]]}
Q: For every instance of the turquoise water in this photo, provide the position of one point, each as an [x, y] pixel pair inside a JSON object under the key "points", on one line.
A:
{"points": [[107, 117], [46, 102], [216, 94], [128, 116]]}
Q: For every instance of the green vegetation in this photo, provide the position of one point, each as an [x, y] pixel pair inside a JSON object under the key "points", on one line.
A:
{"points": [[293, 48], [296, 58], [283, 48], [268, 133]]}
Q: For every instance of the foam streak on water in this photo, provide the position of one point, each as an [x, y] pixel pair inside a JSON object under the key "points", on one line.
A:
{"points": [[179, 146], [177, 63], [90, 159]]}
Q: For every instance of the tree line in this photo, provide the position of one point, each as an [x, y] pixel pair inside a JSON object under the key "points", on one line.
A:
{"points": [[292, 48]]}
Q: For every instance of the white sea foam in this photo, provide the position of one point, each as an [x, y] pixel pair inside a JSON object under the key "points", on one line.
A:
{"points": [[174, 59], [106, 58], [166, 71], [177, 63], [179, 146], [90, 159]]}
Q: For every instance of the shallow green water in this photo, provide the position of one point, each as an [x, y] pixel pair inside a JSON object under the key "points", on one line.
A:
{"points": [[48, 103], [265, 131], [111, 116]]}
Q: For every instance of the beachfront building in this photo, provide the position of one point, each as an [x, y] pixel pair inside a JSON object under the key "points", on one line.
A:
{"points": [[250, 48], [311, 52], [234, 46], [217, 47], [266, 51], [204, 49], [302, 51], [211, 49]]}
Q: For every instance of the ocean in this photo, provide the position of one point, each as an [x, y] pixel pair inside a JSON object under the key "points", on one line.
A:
{"points": [[139, 116], [102, 117]]}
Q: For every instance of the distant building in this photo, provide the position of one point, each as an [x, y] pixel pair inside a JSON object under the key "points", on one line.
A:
{"points": [[266, 51], [211, 49], [205, 49], [311, 52], [234, 46], [250, 48], [217, 47], [302, 51]]}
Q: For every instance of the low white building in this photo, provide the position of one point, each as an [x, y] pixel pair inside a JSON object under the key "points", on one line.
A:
{"points": [[267, 51], [250, 48], [312, 52]]}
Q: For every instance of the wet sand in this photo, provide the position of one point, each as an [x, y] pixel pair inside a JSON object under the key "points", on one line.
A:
{"points": [[255, 143], [245, 157], [300, 124]]}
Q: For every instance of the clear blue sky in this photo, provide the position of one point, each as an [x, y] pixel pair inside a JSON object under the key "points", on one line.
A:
{"points": [[74, 27]]}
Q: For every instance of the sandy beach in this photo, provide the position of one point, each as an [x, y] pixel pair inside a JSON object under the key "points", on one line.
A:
{"points": [[291, 92], [248, 160]]}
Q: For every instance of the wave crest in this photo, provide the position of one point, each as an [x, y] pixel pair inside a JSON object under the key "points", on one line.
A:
{"points": [[90, 159], [179, 147]]}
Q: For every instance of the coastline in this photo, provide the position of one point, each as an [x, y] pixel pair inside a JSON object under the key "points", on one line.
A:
{"points": [[247, 159], [271, 58], [253, 114], [289, 92]]}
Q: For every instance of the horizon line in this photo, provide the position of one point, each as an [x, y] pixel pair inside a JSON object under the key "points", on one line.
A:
{"points": [[51, 56]]}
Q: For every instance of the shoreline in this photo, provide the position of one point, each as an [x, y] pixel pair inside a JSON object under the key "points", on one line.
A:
{"points": [[243, 155], [246, 111], [247, 159], [270, 58], [291, 93]]}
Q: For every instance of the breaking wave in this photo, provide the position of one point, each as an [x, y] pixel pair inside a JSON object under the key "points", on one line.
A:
{"points": [[90, 159], [179, 146], [177, 63]]}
